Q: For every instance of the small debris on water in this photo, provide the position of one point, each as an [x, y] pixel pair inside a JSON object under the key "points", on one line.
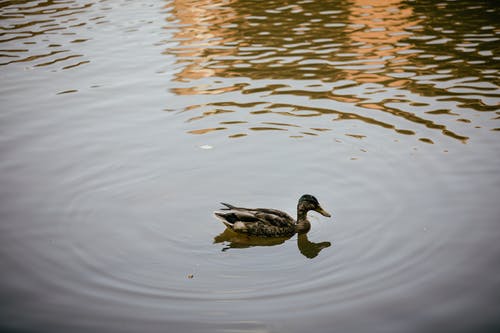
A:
{"points": [[190, 276], [206, 147]]}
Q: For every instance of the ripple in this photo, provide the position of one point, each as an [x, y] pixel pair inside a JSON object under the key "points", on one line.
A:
{"points": [[121, 258], [381, 52], [40, 23], [107, 212]]}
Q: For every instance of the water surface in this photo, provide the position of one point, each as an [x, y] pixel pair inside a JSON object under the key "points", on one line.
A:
{"points": [[124, 123]]}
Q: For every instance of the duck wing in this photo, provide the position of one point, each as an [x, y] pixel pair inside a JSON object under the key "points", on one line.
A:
{"points": [[273, 213], [271, 217], [274, 217]]}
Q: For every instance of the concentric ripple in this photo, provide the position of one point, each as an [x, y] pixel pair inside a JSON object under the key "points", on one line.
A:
{"points": [[158, 257]]}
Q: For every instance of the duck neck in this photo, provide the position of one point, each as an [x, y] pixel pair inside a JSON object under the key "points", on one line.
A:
{"points": [[303, 224]]}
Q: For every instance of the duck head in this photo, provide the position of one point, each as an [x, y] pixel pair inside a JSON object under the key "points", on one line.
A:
{"points": [[308, 202]]}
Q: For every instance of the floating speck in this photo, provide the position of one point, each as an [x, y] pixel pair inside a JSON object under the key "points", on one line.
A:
{"points": [[206, 147], [190, 276]]}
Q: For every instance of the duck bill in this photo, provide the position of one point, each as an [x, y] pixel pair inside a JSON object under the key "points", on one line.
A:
{"points": [[323, 212]]}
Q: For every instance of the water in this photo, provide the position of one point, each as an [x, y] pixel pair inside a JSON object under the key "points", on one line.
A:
{"points": [[124, 123]]}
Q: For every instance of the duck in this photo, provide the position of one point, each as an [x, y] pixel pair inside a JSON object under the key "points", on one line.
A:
{"points": [[268, 222]]}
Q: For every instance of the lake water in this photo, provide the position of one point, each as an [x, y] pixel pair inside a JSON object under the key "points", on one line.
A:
{"points": [[123, 124]]}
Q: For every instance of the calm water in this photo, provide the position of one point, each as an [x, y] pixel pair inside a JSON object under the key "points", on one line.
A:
{"points": [[125, 123]]}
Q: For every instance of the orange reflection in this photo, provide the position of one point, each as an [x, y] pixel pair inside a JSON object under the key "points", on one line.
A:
{"points": [[357, 41], [228, 39], [199, 37], [377, 30]]}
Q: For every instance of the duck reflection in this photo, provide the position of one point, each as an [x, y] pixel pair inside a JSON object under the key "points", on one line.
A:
{"points": [[310, 249], [233, 240]]}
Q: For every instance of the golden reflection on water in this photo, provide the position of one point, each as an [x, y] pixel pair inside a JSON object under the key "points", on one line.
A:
{"points": [[245, 66], [416, 68]]}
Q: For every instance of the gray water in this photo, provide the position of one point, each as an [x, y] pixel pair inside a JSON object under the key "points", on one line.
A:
{"points": [[125, 123]]}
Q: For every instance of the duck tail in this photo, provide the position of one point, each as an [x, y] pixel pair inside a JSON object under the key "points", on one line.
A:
{"points": [[228, 206], [223, 218]]}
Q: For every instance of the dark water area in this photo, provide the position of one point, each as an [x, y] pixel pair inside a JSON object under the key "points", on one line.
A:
{"points": [[123, 124]]}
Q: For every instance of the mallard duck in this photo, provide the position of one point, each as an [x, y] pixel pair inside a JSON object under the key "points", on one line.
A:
{"points": [[270, 222]]}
